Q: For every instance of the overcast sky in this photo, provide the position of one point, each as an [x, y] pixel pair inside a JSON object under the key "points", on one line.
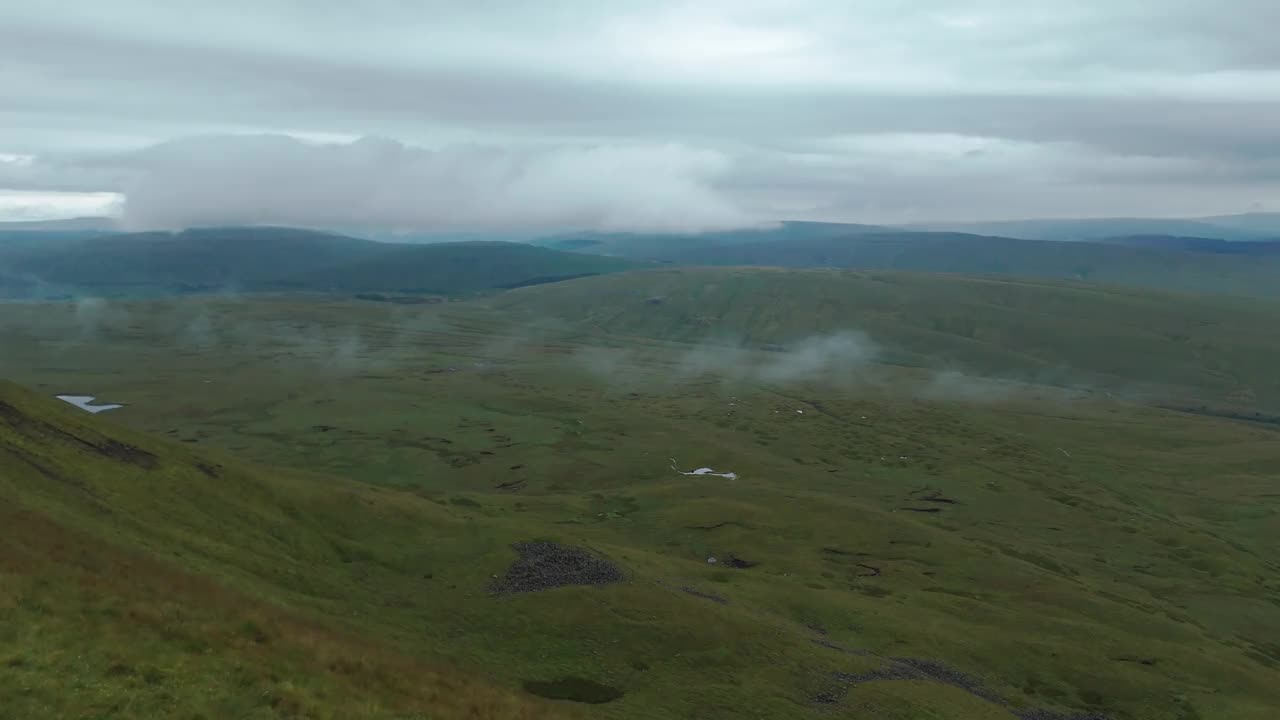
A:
{"points": [[490, 114]]}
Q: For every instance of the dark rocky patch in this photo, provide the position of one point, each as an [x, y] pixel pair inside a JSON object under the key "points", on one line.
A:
{"points": [[1042, 714], [125, 452], [1140, 660], [706, 596], [11, 414], [741, 564], [872, 570], [940, 673], [716, 526], [930, 495], [905, 668], [840, 648], [113, 449], [511, 486], [545, 565], [575, 689], [830, 696], [921, 510]]}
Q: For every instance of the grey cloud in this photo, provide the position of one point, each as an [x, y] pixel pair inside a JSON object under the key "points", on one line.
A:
{"points": [[381, 183], [753, 103], [282, 92]]}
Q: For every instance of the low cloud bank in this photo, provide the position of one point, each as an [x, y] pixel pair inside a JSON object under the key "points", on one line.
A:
{"points": [[381, 183]]}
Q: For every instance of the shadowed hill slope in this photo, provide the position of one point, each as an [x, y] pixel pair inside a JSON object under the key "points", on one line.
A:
{"points": [[270, 259], [190, 260]]}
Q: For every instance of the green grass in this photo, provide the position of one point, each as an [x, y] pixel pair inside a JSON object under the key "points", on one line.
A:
{"points": [[1099, 554], [1187, 350]]}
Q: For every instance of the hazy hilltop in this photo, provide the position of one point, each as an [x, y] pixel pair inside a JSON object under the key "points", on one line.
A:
{"points": [[1262, 223], [82, 224], [1225, 227]]}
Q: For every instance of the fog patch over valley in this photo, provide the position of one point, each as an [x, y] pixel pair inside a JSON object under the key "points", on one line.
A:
{"points": [[96, 315]]}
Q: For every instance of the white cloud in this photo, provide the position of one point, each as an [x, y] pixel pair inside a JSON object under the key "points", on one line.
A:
{"points": [[16, 159], [37, 205]]}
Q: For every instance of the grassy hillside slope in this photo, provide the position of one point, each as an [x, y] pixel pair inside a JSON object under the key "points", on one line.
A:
{"points": [[143, 580], [1158, 268], [881, 553], [1219, 350]]}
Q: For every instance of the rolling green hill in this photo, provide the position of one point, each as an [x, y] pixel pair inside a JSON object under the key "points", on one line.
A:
{"points": [[879, 553], [272, 259], [976, 254], [158, 582], [1219, 350]]}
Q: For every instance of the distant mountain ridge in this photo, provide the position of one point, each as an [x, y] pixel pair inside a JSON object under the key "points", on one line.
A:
{"points": [[1204, 266], [1250, 226], [660, 247], [278, 259]]}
